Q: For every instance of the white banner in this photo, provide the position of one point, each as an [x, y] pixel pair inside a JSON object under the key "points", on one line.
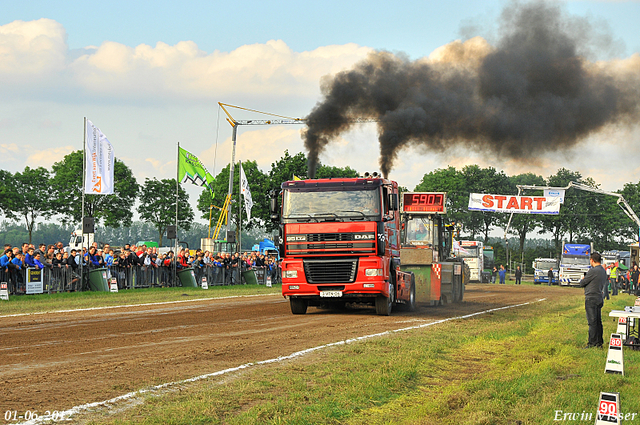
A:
{"points": [[99, 162], [557, 193], [514, 204], [244, 188]]}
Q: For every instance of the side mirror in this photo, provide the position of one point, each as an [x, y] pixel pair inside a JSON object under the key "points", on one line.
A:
{"points": [[273, 206], [393, 201]]}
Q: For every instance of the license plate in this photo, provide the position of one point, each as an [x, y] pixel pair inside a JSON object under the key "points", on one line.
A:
{"points": [[331, 294]]}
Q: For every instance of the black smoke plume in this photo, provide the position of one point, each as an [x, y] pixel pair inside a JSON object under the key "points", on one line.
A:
{"points": [[534, 91]]}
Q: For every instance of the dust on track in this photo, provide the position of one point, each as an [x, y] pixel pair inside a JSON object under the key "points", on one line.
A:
{"points": [[59, 360]]}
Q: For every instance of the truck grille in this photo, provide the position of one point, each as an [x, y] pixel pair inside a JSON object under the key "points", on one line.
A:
{"points": [[332, 243], [331, 270]]}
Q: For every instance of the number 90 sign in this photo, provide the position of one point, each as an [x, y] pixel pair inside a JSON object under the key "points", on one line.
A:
{"points": [[608, 408]]}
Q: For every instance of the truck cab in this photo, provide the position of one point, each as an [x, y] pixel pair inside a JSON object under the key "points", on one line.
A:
{"points": [[574, 263], [340, 242]]}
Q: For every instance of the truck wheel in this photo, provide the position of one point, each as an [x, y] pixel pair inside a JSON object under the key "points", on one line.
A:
{"points": [[411, 305], [384, 305], [298, 305]]}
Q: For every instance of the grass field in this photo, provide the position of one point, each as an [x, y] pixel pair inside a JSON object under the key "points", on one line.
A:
{"points": [[66, 301], [523, 365]]}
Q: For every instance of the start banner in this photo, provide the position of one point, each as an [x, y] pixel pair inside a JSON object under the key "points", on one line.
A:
{"points": [[514, 204]]}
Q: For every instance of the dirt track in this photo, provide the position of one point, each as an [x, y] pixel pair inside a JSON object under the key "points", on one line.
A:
{"points": [[59, 360]]}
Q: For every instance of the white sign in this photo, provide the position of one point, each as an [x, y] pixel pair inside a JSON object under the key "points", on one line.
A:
{"points": [[4, 291], [608, 409], [615, 362], [205, 284], [99, 162], [113, 285], [622, 327], [514, 204], [555, 193], [268, 281]]}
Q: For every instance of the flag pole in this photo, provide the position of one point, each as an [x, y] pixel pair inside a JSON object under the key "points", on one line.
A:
{"points": [[240, 198], [175, 263], [84, 164]]}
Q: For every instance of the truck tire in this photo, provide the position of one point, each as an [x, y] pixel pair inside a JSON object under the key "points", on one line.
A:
{"points": [[384, 305], [298, 305], [411, 305]]}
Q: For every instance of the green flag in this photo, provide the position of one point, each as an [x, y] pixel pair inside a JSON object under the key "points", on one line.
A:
{"points": [[190, 169]]}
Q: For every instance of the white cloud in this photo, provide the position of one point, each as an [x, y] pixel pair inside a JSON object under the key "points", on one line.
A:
{"points": [[31, 49], [47, 157], [182, 71]]}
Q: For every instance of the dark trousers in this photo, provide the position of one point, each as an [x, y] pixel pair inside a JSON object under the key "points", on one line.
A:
{"points": [[518, 280], [593, 307], [614, 286]]}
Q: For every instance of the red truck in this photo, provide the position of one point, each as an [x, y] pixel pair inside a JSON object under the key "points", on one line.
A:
{"points": [[341, 243]]}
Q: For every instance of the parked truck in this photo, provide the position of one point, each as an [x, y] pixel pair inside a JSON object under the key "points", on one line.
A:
{"points": [[541, 267], [341, 243], [488, 263], [76, 240], [472, 254], [574, 263]]}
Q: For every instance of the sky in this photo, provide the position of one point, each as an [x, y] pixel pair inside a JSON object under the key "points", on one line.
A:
{"points": [[150, 75]]}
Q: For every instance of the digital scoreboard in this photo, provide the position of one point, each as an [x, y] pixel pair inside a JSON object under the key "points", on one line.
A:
{"points": [[424, 202]]}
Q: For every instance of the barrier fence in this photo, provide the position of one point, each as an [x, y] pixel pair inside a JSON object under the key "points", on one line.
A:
{"points": [[65, 279]]}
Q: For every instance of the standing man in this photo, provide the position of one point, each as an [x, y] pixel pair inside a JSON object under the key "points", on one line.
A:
{"points": [[594, 283], [503, 274], [613, 279], [550, 276], [518, 276]]}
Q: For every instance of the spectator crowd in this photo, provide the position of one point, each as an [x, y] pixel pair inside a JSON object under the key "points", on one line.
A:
{"points": [[131, 265]]}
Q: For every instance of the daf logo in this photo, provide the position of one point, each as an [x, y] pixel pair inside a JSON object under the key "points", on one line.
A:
{"points": [[363, 236]]}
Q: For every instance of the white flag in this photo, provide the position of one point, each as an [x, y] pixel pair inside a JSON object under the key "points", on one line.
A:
{"points": [[98, 162], [244, 189]]}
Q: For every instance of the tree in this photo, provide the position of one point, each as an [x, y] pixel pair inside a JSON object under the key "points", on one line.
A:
{"points": [[31, 196], [158, 205], [286, 167], [7, 193], [631, 193], [521, 224], [115, 210]]}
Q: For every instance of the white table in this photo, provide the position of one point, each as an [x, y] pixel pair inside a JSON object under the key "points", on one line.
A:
{"points": [[633, 334]]}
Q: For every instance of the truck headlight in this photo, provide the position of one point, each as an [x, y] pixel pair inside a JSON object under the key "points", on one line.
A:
{"points": [[373, 272], [291, 274]]}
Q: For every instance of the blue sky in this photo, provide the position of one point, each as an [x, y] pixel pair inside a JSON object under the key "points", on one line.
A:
{"points": [[416, 27], [150, 74]]}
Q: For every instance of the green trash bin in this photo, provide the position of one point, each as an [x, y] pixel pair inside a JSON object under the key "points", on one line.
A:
{"points": [[187, 278], [249, 277], [98, 280]]}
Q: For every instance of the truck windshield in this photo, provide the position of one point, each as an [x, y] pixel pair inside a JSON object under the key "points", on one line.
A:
{"points": [[420, 231], [332, 204], [579, 261], [546, 265], [468, 252]]}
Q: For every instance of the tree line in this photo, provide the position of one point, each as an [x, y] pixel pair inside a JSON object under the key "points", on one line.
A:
{"points": [[40, 194]]}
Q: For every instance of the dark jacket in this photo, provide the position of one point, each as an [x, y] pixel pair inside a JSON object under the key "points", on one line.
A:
{"points": [[518, 273], [550, 275], [594, 282]]}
